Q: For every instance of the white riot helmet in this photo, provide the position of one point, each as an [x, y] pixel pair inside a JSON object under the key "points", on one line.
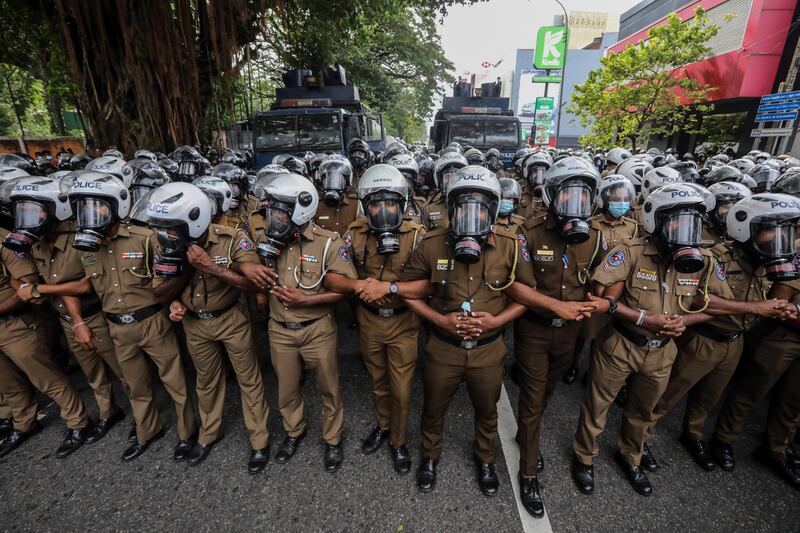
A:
{"points": [[766, 224], [99, 200], [334, 176], [534, 168], [58, 175], [726, 193], [145, 154], [673, 215], [634, 169], [291, 202], [617, 155], [110, 164], [179, 214], [510, 196], [7, 173], [38, 205], [268, 170], [473, 201], [744, 165], [218, 191], [113, 152], [409, 168], [615, 195], [446, 167], [569, 190], [383, 192], [658, 177]]}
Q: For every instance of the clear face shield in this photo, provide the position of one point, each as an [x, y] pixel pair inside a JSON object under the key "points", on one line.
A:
{"points": [[138, 192], [720, 214], [173, 242], [236, 194], [536, 178], [470, 224], [187, 169], [31, 222], [95, 216], [334, 178], [493, 163], [618, 198], [572, 205], [358, 159], [447, 173], [774, 244], [280, 229], [682, 233], [384, 214]]}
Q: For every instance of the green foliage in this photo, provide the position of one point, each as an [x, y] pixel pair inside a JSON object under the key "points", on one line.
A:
{"points": [[22, 94], [642, 92]]}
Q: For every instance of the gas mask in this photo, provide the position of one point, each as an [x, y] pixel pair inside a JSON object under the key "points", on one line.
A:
{"points": [[470, 225], [334, 181], [572, 206], [358, 159], [280, 229], [171, 255], [536, 179], [384, 214], [720, 214], [31, 223], [680, 237], [493, 163], [236, 195], [773, 246], [94, 217]]}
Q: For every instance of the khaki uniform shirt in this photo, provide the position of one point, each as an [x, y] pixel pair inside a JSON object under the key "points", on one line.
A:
{"points": [[746, 284], [337, 218], [15, 265], [504, 259], [437, 212], [303, 260], [615, 231], [370, 264], [121, 271], [58, 262], [416, 210], [232, 220], [205, 292], [562, 271], [652, 283]]}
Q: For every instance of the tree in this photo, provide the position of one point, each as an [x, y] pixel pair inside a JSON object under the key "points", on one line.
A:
{"points": [[643, 91]]}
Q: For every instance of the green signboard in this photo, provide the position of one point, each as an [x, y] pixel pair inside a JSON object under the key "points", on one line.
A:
{"points": [[551, 43], [543, 119], [550, 78]]}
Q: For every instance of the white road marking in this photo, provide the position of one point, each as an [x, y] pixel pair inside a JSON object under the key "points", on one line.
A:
{"points": [[507, 428]]}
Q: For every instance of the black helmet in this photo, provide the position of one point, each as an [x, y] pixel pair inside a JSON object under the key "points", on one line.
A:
{"points": [[236, 178], [688, 171], [143, 176]]}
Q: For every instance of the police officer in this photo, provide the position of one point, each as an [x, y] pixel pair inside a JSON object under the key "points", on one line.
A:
{"points": [[726, 194], [221, 195], [26, 362], [213, 315], [614, 158], [470, 268], [507, 216], [768, 222], [707, 362], [142, 176], [381, 245], [236, 216], [494, 163], [339, 206], [117, 265], [534, 168], [649, 286], [446, 166], [562, 245], [615, 196], [416, 206], [43, 229], [302, 331], [360, 157]]}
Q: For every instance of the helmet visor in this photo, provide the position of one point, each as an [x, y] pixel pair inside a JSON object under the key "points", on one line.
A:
{"points": [[187, 168], [536, 174], [683, 228], [93, 213], [619, 192], [384, 214], [573, 200], [775, 239], [172, 239], [138, 192], [29, 215], [335, 176], [471, 216], [279, 218]]}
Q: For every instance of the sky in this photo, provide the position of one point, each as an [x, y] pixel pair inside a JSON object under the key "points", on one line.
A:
{"points": [[493, 30]]}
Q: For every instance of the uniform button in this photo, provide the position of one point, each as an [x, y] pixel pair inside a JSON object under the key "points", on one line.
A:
{"points": [[52, 260], [197, 295], [116, 284], [55, 275], [290, 249], [563, 286], [111, 251], [470, 278], [289, 269], [113, 269], [119, 300]]}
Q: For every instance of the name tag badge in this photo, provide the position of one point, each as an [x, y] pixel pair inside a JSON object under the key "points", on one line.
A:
{"points": [[326, 217], [443, 264]]}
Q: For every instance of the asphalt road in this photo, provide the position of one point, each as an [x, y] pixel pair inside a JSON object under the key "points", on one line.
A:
{"points": [[94, 489]]}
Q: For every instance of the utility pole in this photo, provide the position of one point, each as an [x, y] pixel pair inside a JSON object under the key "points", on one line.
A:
{"points": [[563, 70]]}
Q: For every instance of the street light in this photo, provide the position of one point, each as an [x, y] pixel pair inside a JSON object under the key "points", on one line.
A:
{"points": [[563, 69]]}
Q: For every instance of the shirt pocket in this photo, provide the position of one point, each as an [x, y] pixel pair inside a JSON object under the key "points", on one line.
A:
{"points": [[96, 275], [497, 275], [644, 292], [136, 273]]}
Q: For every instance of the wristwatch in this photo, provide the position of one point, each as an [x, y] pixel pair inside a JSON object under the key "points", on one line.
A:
{"points": [[612, 304], [34, 291], [393, 288]]}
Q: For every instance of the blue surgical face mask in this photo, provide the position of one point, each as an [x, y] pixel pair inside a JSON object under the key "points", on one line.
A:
{"points": [[617, 209], [506, 207]]}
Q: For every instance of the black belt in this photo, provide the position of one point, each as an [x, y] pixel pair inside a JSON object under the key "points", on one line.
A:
{"points": [[385, 312], [90, 311], [641, 340], [136, 316], [715, 334], [298, 325], [203, 314], [467, 345], [546, 322]]}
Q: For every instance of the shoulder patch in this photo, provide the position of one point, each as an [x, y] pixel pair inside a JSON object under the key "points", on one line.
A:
{"points": [[245, 244], [616, 259], [523, 248], [23, 255], [720, 272], [344, 253]]}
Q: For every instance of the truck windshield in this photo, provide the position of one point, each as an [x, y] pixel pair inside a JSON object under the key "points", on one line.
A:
{"points": [[484, 133], [320, 131]]}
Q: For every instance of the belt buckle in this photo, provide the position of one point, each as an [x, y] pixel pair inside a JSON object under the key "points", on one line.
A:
{"points": [[385, 313], [127, 318], [557, 322], [655, 343], [469, 345], [204, 315], [293, 325]]}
